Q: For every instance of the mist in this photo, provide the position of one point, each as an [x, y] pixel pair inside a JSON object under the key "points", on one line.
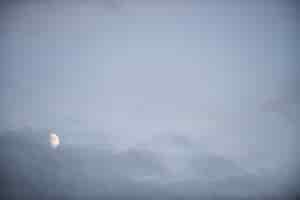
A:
{"points": [[151, 99]]}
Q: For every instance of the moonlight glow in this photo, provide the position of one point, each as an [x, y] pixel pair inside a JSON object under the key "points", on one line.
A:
{"points": [[53, 140]]}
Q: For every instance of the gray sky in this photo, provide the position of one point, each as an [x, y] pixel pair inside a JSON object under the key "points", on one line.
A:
{"points": [[141, 70]]}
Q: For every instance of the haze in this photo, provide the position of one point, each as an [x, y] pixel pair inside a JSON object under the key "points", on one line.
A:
{"points": [[178, 79]]}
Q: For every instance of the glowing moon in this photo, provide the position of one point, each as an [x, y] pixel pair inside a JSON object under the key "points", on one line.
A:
{"points": [[53, 140]]}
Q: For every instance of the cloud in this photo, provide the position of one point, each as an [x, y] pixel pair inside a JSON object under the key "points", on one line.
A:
{"points": [[30, 166]]}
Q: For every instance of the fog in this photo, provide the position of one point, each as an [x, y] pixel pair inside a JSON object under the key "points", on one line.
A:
{"points": [[151, 99]]}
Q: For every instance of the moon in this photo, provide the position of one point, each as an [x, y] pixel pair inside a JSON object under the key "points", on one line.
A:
{"points": [[53, 140]]}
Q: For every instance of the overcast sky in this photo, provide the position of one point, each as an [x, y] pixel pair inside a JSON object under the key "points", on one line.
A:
{"points": [[139, 70]]}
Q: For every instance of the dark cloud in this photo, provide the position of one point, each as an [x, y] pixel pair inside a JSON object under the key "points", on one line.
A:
{"points": [[34, 170]]}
